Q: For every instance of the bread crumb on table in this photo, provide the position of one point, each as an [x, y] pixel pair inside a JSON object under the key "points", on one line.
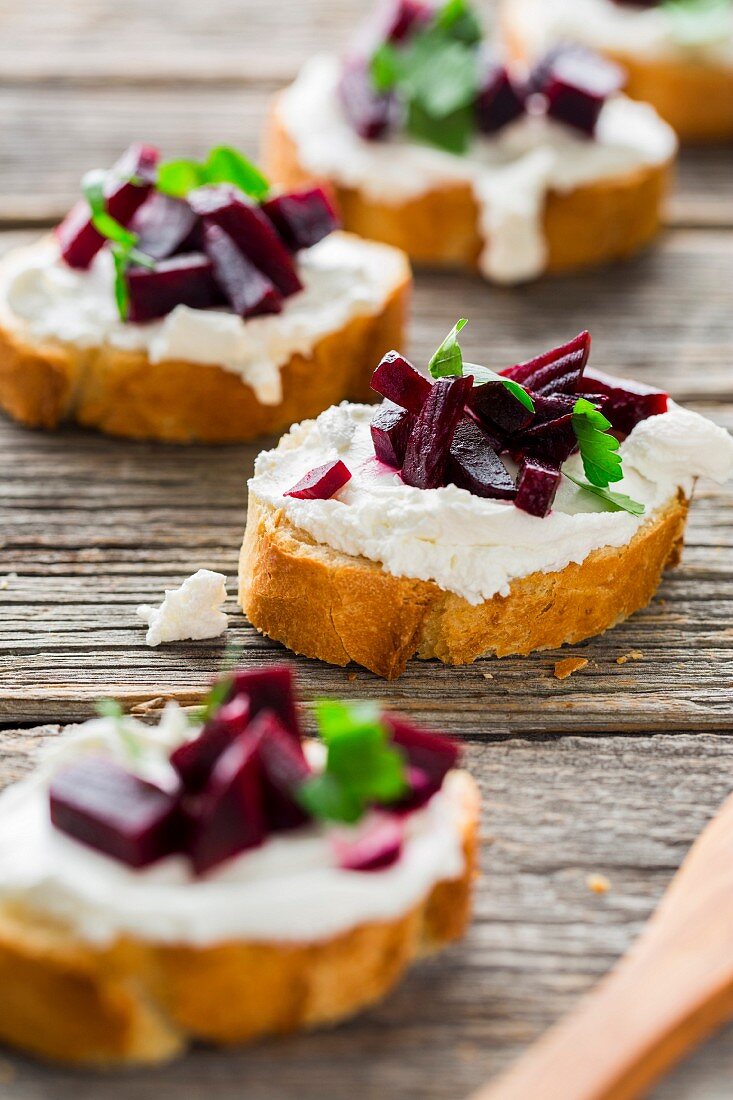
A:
{"points": [[598, 884], [568, 666], [632, 655]]}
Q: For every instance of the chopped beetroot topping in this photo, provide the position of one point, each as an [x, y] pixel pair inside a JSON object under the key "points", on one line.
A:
{"points": [[321, 483], [199, 235], [456, 429], [245, 776], [425, 69]]}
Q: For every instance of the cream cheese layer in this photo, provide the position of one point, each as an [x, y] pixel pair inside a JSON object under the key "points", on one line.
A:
{"points": [[343, 276], [289, 889], [466, 544], [651, 33], [510, 174]]}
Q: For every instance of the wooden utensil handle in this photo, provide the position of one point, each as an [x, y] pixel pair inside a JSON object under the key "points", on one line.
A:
{"points": [[672, 989]]}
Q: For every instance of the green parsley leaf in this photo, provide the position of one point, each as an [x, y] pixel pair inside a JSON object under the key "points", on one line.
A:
{"points": [[615, 502], [121, 259], [222, 165], [447, 362], [458, 17], [453, 133], [598, 449], [362, 767], [92, 186], [385, 67], [485, 374], [110, 708], [699, 22]]}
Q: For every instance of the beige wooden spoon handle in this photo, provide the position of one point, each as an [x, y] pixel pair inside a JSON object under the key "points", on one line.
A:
{"points": [[670, 991]]}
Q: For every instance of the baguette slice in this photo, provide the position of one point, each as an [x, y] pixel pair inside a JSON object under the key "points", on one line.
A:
{"points": [[44, 383], [323, 603], [588, 226], [142, 1002], [694, 96]]}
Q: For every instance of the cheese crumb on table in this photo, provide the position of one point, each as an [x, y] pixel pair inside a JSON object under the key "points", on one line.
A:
{"points": [[192, 611], [568, 666]]}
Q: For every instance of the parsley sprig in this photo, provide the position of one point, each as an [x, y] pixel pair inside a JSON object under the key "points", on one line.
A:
{"points": [[699, 22], [601, 461], [436, 74], [447, 362], [615, 502], [123, 241], [222, 165], [362, 767]]}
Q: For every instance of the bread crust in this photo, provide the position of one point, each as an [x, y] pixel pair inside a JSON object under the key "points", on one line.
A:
{"points": [[140, 1002], [122, 393], [326, 604], [694, 97], [588, 226]]}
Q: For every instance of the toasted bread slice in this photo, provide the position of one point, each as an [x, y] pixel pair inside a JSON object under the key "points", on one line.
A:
{"points": [[122, 393], [142, 1002], [694, 96], [585, 227], [323, 603]]}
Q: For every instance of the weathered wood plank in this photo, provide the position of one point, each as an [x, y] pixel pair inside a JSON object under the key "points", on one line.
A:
{"points": [[554, 813]]}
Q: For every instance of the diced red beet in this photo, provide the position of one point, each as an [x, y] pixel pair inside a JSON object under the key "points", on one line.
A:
{"points": [[536, 487], [390, 429], [375, 848], [498, 408], [127, 187], [399, 18], [397, 380], [428, 447], [627, 402], [433, 754], [228, 817], [475, 465], [552, 441], [181, 280], [576, 83], [284, 770], [105, 807], [322, 482], [250, 229], [193, 760], [553, 406], [371, 113], [247, 290], [556, 371], [499, 101], [270, 689], [165, 226], [302, 218]]}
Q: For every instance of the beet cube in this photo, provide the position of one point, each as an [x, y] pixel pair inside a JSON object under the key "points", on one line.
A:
{"points": [[397, 380], [552, 442], [428, 447], [181, 280], [321, 482], [227, 817], [105, 807], [576, 83], [270, 689], [165, 226], [248, 291], [127, 187], [284, 770], [250, 229], [372, 114], [193, 760], [475, 465], [397, 19], [302, 218], [378, 846], [556, 371], [627, 402], [498, 408], [390, 429], [499, 101], [536, 487], [432, 753]]}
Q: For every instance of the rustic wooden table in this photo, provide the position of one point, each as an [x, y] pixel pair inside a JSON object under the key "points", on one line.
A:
{"points": [[614, 770]]}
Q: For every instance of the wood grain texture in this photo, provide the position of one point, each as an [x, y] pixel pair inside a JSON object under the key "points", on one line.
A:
{"points": [[555, 813], [92, 527]]}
